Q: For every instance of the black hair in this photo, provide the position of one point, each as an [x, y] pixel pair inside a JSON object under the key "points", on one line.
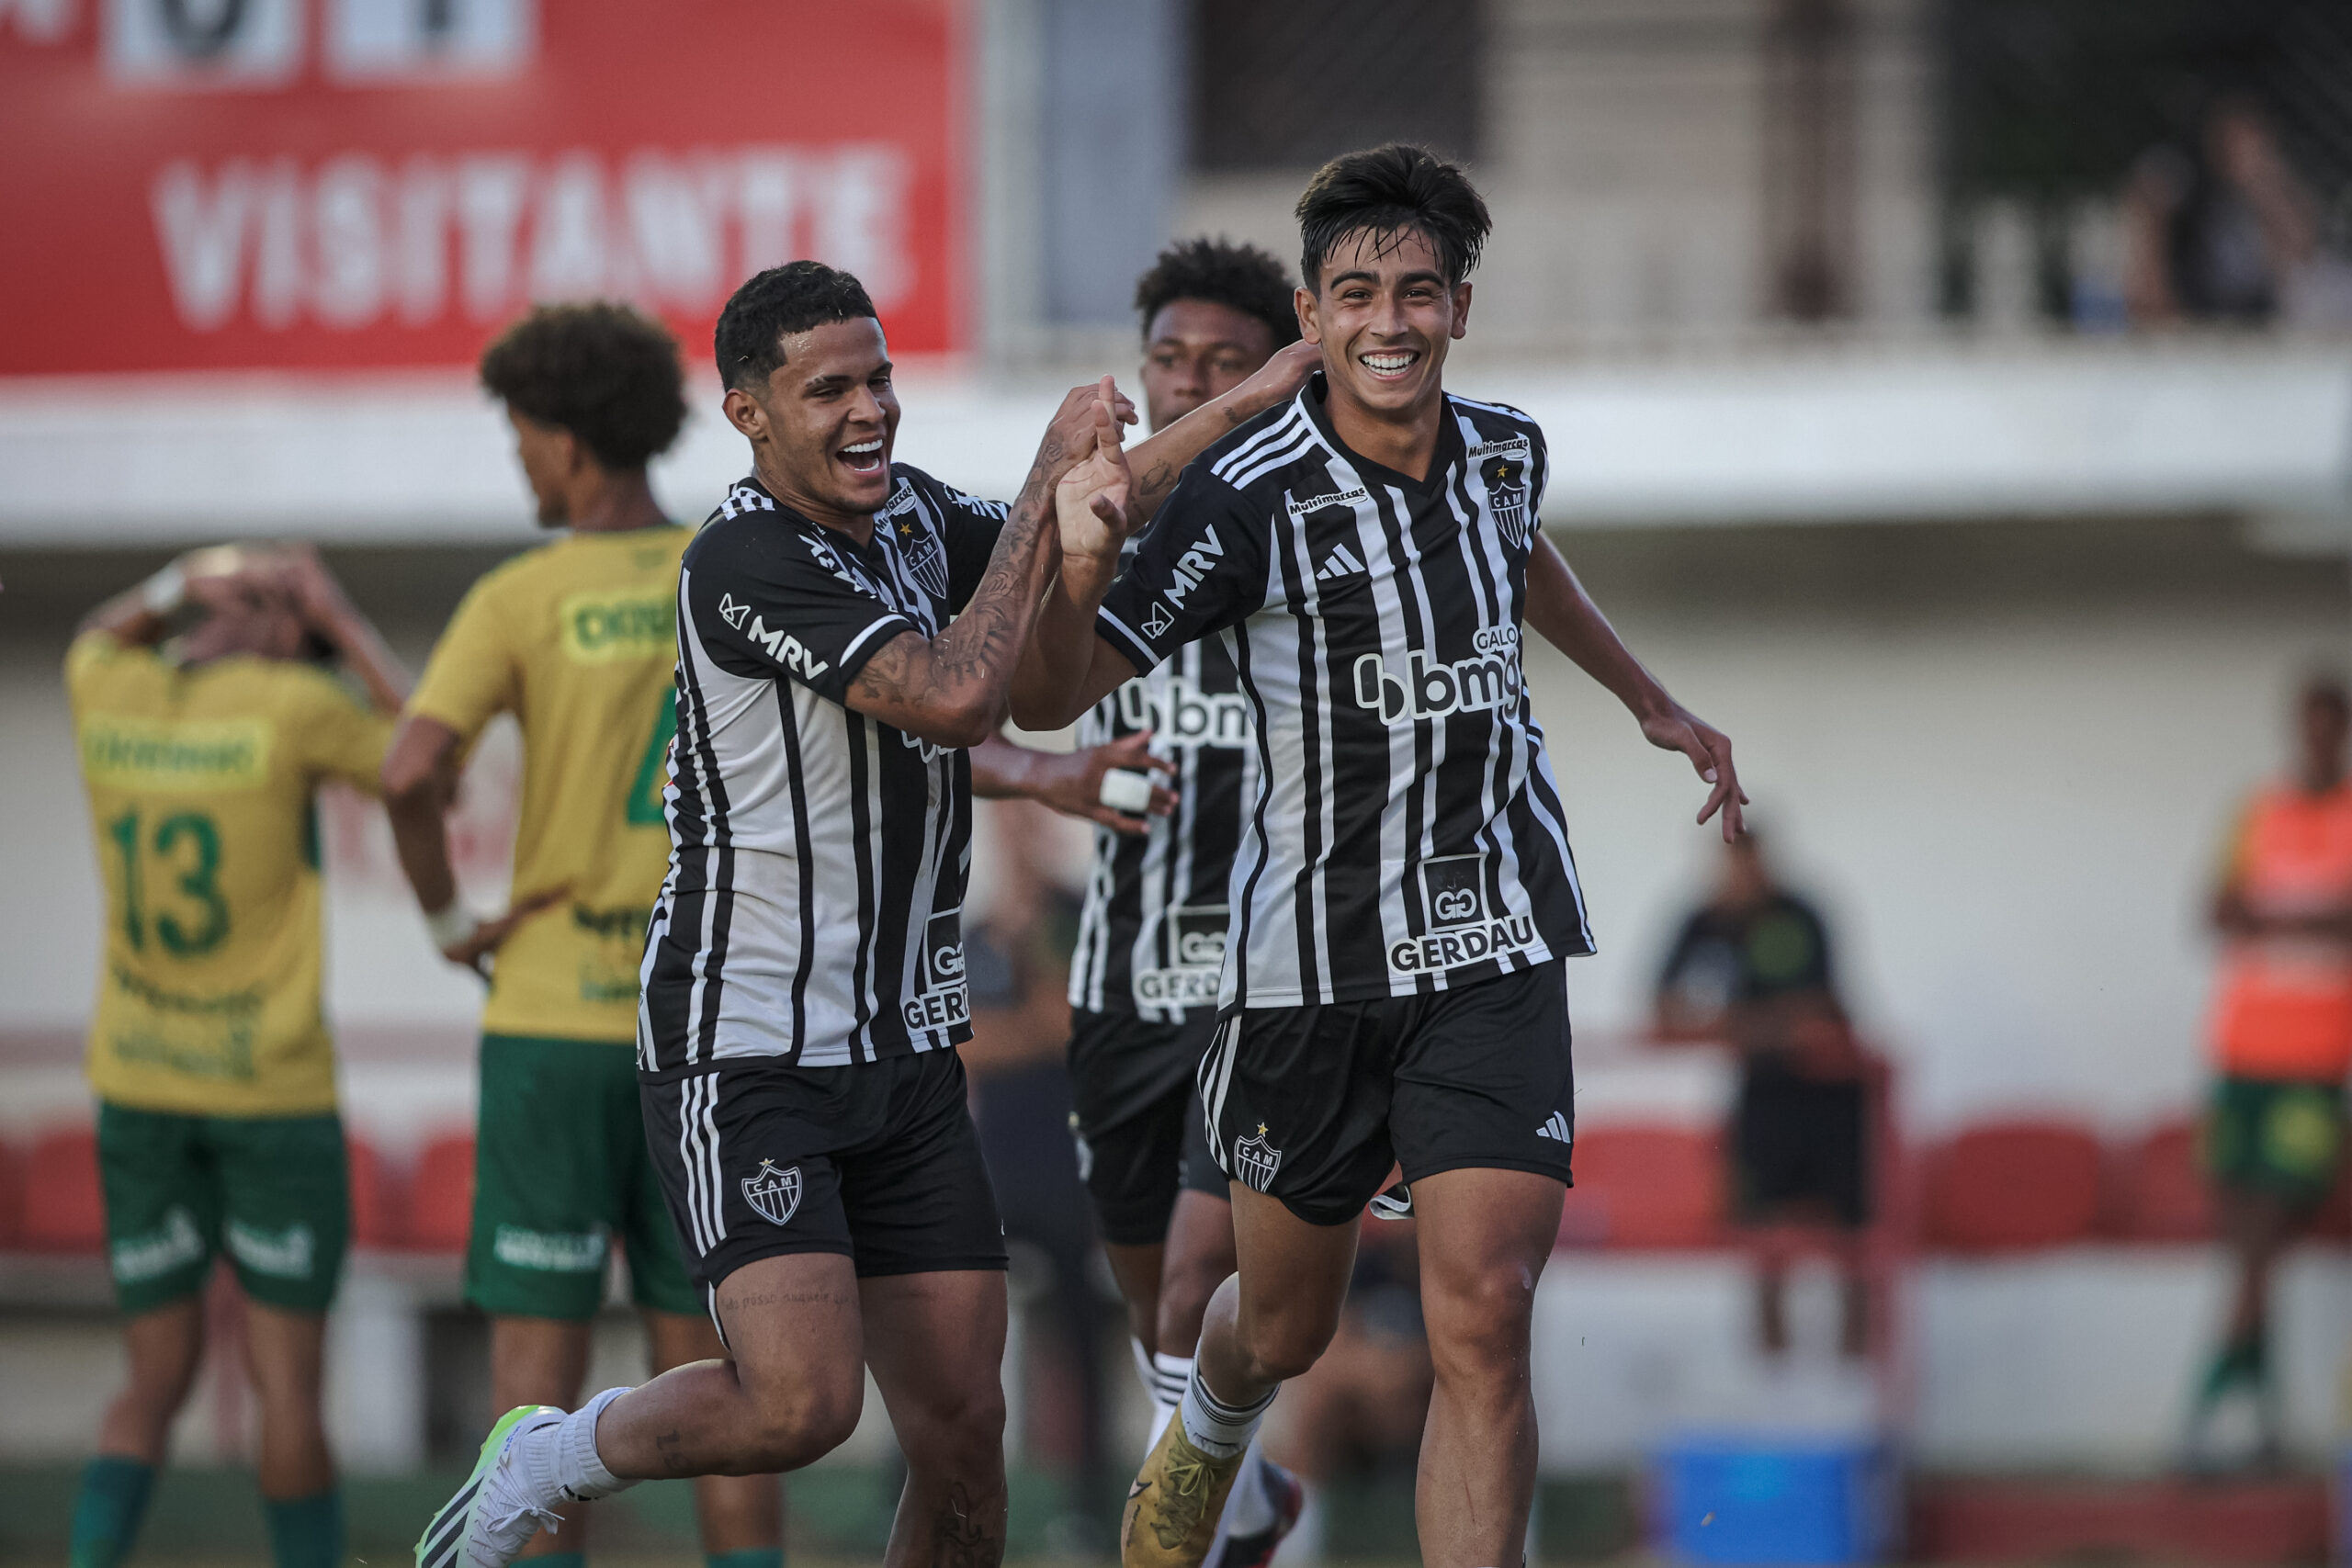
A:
{"points": [[1222, 272], [1387, 193], [597, 369], [788, 298], [2325, 687]]}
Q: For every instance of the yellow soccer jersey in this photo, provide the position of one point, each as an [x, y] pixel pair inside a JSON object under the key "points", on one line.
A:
{"points": [[200, 782], [578, 640]]}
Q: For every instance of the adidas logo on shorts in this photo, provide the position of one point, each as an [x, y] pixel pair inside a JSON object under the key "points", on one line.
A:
{"points": [[1556, 1127]]}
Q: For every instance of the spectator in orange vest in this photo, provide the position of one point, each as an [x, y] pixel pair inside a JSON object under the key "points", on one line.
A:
{"points": [[2281, 1036]]}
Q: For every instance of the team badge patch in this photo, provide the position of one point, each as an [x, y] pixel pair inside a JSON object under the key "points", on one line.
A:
{"points": [[1506, 478], [925, 559], [773, 1194], [1256, 1160]]}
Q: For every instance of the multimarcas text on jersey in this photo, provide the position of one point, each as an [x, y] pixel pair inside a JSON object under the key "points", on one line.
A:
{"points": [[1403, 832]]}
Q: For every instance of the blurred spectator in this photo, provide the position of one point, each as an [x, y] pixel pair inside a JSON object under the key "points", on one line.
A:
{"points": [[2228, 233], [1751, 967], [2282, 1038], [1016, 960], [1358, 1413]]}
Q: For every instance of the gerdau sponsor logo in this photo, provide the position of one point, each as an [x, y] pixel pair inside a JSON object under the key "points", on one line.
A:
{"points": [[1428, 688]]}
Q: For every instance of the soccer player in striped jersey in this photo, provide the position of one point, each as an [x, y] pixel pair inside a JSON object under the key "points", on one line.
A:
{"points": [[1403, 897], [846, 629], [213, 1061], [1151, 937]]}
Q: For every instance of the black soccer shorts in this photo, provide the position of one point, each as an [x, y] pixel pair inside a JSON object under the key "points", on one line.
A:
{"points": [[878, 1161], [1312, 1104], [1137, 1122]]}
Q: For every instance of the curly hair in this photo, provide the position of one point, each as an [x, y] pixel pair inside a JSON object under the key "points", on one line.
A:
{"points": [[597, 369], [1240, 276], [1387, 193], [788, 298]]}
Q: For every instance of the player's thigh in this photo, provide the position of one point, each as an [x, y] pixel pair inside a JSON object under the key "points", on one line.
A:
{"points": [[1296, 1102], [1484, 1080], [1484, 1236], [936, 1342], [286, 1197], [543, 1176], [163, 1205], [793, 1328]]}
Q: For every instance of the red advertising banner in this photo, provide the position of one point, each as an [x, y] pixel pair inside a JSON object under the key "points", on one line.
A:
{"points": [[340, 183]]}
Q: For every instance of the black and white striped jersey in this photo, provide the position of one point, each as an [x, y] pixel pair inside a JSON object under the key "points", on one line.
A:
{"points": [[1405, 834], [817, 856], [1151, 936]]}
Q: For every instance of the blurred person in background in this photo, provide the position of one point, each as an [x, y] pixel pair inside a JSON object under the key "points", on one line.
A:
{"points": [[1150, 949], [2226, 232], [2282, 1035], [209, 1053], [576, 639], [1751, 967]]}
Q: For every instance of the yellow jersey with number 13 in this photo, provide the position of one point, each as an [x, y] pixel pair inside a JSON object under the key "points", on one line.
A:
{"points": [[201, 782], [578, 640]]}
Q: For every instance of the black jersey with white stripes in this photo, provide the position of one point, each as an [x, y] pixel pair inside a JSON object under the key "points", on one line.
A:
{"points": [[817, 855], [1405, 834], [1151, 936]]}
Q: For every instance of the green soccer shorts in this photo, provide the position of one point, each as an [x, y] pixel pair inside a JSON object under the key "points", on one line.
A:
{"points": [[272, 1192], [561, 1174], [2275, 1136]]}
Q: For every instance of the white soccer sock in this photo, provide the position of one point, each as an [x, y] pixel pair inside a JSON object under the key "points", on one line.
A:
{"points": [[1169, 1374], [1216, 1428], [580, 1471], [1247, 1509]]}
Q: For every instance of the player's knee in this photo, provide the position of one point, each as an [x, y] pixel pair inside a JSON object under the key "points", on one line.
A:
{"points": [[806, 1423], [1479, 1322], [961, 1435], [1279, 1349]]}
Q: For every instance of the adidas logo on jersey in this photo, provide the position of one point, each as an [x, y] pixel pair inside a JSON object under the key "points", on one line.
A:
{"points": [[1340, 562], [1556, 1127]]}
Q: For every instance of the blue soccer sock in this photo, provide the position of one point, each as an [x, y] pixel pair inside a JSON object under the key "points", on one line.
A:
{"points": [[107, 1510]]}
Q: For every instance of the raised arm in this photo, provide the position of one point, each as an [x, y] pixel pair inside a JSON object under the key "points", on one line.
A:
{"points": [[1559, 608], [141, 615], [1157, 463], [954, 689], [332, 615]]}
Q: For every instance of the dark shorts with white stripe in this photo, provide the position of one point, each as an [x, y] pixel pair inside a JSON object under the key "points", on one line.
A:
{"points": [[1313, 1104], [878, 1162], [1135, 1114]]}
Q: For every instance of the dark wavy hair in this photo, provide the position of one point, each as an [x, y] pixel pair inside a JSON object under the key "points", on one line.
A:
{"points": [[1387, 193], [597, 369], [788, 298], [1239, 277]]}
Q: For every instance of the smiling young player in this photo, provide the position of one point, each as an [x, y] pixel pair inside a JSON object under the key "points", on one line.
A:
{"points": [[846, 628], [1403, 898]]}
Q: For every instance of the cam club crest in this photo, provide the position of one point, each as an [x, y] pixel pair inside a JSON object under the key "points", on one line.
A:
{"points": [[1506, 478], [773, 1194], [1255, 1160]]}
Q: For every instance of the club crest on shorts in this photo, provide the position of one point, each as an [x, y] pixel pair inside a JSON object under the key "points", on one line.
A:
{"points": [[1256, 1160], [773, 1194], [1506, 478]]}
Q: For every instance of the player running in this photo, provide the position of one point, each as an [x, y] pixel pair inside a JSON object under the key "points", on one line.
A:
{"points": [[576, 639], [1151, 939], [1403, 898], [803, 979], [213, 1061]]}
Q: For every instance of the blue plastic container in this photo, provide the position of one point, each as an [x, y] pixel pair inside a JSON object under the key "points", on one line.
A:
{"points": [[1776, 1498]]}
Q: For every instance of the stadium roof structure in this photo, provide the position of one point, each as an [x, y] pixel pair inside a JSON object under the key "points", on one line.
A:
{"points": [[1880, 432]]}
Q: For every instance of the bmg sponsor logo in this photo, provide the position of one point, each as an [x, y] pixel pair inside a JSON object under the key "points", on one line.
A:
{"points": [[1178, 712], [941, 997], [1427, 688]]}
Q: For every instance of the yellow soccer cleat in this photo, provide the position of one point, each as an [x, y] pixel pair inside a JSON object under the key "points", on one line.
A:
{"points": [[1175, 1503]]}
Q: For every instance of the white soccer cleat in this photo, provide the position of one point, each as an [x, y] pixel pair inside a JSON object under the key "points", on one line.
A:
{"points": [[501, 1507]]}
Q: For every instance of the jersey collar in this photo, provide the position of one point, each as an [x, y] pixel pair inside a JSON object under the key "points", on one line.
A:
{"points": [[1315, 397]]}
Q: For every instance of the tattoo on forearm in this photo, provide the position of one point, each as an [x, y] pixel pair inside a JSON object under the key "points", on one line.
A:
{"points": [[960, 1536]]}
